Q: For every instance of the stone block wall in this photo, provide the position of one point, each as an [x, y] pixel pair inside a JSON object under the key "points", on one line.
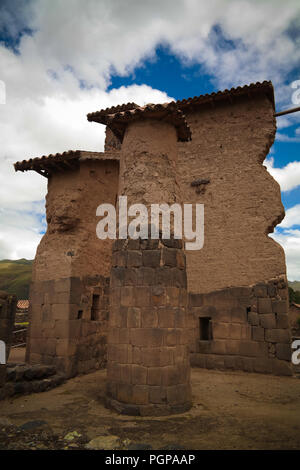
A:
{"points": [[8, 304], [68, 323], [148, 368], [248, 328]]}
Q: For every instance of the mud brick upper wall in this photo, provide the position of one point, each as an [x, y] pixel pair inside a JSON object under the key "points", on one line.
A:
{"points": [[212, 99], [232, 132], [242, 201], [78, 182], [70, 246]]}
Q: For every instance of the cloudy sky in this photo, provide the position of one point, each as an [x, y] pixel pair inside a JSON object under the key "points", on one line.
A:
{"points": [[60, 59]]}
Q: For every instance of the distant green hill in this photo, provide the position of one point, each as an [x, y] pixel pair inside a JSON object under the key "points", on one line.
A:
{"points": [[295, 285], [15, 276]]}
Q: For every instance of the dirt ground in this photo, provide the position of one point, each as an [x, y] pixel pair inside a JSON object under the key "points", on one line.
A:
{"points": [[231, 410]]}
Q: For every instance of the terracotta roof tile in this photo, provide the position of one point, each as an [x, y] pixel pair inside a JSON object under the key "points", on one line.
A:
{"points": [[48, 164], [23, 304], [111, 116], [254, 88], [117, 122], [117, 116], [114, 109]]}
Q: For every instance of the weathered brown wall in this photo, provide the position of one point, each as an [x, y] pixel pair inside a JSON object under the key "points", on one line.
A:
{"points": [[70, 246], [148, 163], [242, 202]]}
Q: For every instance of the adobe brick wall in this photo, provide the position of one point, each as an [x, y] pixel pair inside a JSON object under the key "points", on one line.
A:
{"points": [[148, 163], [71, 266], [68, 328], [242, 201], [250, 328], [8, 304]]}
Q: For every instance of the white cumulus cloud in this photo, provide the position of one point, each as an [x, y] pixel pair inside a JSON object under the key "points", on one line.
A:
{"points": [[290, 241], [288, 177], [292, 217]]}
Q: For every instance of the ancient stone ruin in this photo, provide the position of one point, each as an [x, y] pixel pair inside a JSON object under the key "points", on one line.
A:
{"points": [[149, 308]]}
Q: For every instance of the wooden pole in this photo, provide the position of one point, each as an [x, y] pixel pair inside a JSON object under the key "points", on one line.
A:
{"points": [[287, 111]]}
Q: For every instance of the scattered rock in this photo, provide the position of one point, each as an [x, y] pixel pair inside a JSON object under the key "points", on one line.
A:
{"points": [[126, 442], [30, 425]]}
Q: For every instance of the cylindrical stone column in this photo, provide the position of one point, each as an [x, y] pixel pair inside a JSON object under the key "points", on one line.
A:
{"points": [[148, 368]]}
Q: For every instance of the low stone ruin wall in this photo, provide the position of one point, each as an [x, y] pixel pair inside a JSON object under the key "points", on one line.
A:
{"points": [[238, 328], [22, 379], [243, 328]]}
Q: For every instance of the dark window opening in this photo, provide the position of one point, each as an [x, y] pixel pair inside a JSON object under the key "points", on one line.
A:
{"points": [[95, 307], [205, 329], [79, 314]]}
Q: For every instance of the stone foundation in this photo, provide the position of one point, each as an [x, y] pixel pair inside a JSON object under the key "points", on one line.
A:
{"points": [[68, 323], [247, 327], [244, 328], [148, 367], [22, 379]]}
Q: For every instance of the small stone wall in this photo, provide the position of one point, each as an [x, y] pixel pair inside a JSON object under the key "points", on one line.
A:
{"points": [[68, 323], [245, 328]]}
